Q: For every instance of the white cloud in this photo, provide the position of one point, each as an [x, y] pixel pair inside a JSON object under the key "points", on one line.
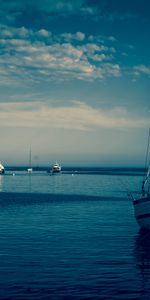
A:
{"points": [[28, 55], [79, 36], [101, 57], [141, 69], [79, 116], [112, 39], [10, 32], [44, 33]]}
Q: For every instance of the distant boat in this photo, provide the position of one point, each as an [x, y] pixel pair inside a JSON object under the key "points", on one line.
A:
{"points": [[142, 204], [2, 169], [56, 168], [29, 169]]}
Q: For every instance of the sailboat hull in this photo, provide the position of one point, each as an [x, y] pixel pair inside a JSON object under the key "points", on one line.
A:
{"points": [[142, 212]]}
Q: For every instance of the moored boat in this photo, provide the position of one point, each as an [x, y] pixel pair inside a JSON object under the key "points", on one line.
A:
{"points": [[56, 168], [2, 169], [29, 170], [142, 204], [142, 211]]}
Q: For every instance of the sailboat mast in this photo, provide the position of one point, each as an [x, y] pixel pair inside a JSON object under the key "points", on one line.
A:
{"points": [[30, 158], [29, 167], [147, 152], [146, 172]]}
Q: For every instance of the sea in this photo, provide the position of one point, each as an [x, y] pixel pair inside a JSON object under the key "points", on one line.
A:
{"points": [[72, 235]]}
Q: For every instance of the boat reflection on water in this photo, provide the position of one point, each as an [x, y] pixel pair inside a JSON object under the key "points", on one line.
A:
{"points": [[1, 183], [142, 249], [142, 259]]}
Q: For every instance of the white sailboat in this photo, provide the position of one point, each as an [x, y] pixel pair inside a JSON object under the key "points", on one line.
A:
{"points": [[2, 169], [29, 169], [142, 204]]}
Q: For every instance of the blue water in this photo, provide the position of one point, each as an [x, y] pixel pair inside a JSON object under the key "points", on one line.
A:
{"points": [[71, 236]]}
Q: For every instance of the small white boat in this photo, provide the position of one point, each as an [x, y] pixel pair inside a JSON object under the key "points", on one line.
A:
{"points": [[29, 170], [56, 168], [142, 204], [2, 169]]}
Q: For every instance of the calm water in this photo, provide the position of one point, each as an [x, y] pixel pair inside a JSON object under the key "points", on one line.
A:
{"points": [[71, 236]]}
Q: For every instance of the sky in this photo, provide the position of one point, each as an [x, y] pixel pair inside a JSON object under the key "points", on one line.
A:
{"points": [[74, 81]]}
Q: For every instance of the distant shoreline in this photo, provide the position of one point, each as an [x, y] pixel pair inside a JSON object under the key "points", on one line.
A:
{"points": [[84, 170]]}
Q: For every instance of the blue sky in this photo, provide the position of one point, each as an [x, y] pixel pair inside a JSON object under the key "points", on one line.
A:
{"points": [[74, 81]]}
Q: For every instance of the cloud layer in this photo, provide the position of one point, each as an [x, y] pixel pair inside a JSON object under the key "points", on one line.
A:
{"points": [[30, 57], [78, 116], [39, 55]]}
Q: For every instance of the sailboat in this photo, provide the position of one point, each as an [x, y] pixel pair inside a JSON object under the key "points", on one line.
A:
{"points": [[142, 204], [29, 170], [2, 169]]}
